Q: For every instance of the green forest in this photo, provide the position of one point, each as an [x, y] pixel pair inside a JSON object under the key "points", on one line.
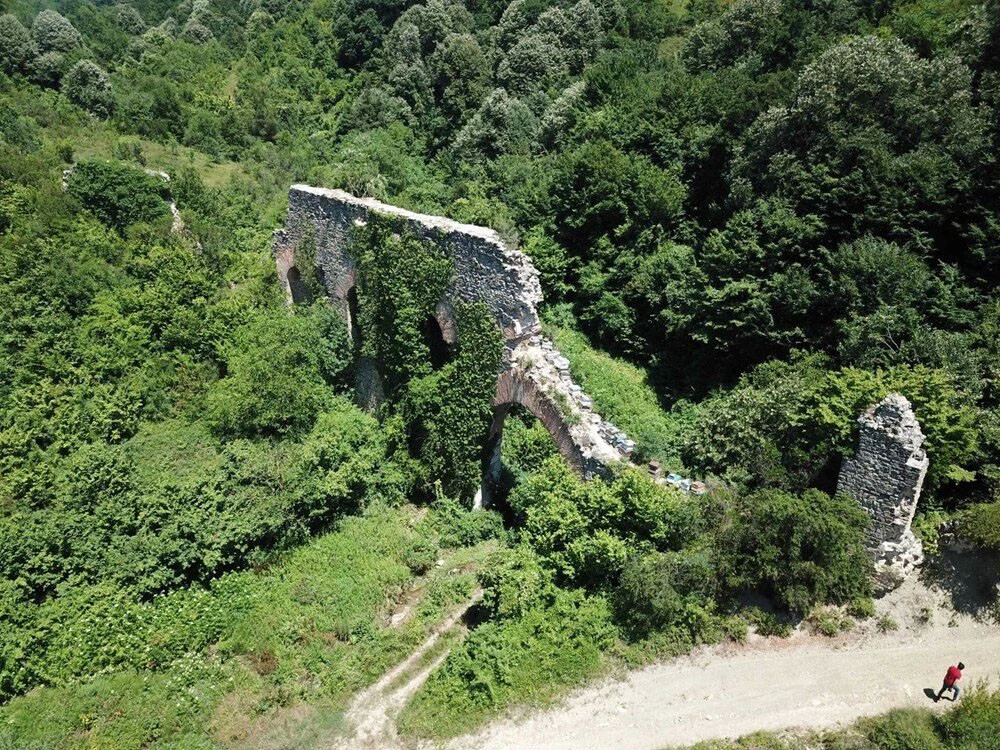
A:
{"points": [[752, 219]]}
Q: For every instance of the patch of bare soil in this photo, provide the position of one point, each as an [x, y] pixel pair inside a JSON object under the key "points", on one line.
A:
{"points": [[372, 714], [940, 617]]}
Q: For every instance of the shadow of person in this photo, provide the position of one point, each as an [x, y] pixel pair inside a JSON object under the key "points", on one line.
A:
{"points": [[929, 692]]}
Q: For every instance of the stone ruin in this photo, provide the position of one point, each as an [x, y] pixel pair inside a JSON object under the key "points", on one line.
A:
{"points": [[532, 372], [885, 476]]}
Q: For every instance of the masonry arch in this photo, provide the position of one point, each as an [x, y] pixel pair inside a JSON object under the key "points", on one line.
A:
{"points": [[297, 287], [439, 348], [514, 388]]}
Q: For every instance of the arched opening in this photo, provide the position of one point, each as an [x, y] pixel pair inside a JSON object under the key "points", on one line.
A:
{"points": [[352, 318], [297, 287], [514, 452], [518, 399], [434, 338]]}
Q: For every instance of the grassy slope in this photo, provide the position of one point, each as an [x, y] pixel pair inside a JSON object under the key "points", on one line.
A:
{"points": [[621, 392], [282, 668]]}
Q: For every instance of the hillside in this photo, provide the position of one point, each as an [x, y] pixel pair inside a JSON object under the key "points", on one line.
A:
{"points": [[751, 220]]}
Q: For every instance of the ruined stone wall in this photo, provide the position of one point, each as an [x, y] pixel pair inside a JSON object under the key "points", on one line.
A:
{"points": [[486, 270], [885, 475], [532, 372]]}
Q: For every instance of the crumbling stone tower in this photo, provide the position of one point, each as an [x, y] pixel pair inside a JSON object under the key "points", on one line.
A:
{"points": [[885, 475]]}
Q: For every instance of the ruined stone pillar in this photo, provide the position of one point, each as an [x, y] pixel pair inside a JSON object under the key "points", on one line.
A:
{"points": [[885, 476]]}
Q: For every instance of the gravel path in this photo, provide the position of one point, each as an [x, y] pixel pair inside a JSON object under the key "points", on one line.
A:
{"points": [[769, 684]]}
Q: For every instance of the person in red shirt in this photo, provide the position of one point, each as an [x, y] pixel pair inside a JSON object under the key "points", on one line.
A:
{"points": [[951, 678]]}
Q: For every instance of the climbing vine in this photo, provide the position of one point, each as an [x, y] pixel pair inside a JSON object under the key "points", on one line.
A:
{"points": [[449, 411], [400, 280], [305, 262], [446, 412]]}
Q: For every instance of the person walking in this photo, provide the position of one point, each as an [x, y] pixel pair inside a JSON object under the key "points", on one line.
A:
{"points": [[951, 678]]}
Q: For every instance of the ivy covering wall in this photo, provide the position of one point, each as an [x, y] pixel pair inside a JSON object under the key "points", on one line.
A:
{"points": [[446, 411]]}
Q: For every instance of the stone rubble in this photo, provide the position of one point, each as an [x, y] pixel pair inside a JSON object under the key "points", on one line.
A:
{"points": [[601, 443]]}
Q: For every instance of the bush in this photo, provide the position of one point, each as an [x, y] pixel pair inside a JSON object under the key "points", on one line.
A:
{"points": [[457, 526], [768, 623], [118, 194], [902, 729], [87, 85], [828, 622], [804, 550], [514, 581], [280, 367], [663, 590], [973, 722], [862, 607], [980, 524], [525, 659], [886, 624], [421, 555]]}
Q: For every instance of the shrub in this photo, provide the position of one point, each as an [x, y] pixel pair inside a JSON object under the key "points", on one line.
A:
{"points": [[768, 623], [973, 722], [421, 555], [980, 524], [280, 367], [457, 526], [886, 624], [804, 550], [130, 149], [88, 85], [662, 590], [525, 659], [825, 621], [53, 32], [861, 607], [902, 729], [118, 194], [514, 581]]}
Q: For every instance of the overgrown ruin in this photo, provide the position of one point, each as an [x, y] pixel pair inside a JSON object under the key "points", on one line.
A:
{"points": [[532, 372], [885, 476]]}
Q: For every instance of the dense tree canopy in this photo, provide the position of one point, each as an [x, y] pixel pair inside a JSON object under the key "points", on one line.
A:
{"points": [[775, 211]]}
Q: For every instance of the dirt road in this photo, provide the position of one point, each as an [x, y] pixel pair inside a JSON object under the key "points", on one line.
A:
{"points": [[806, 681]]}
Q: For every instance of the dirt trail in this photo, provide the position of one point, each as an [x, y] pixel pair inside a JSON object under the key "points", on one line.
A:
{"points": [[768, 684], [373, 712]]}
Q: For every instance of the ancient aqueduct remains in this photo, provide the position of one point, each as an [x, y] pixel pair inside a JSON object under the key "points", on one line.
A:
{"points": [[885, 474]]}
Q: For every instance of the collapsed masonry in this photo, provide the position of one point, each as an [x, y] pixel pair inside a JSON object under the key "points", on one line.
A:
{"points": [[532, 373], [885, 475]]}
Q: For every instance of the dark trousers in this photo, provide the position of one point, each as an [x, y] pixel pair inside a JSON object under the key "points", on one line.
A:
{"points": [[953, 687]]}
